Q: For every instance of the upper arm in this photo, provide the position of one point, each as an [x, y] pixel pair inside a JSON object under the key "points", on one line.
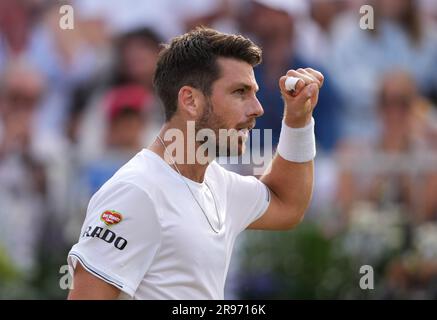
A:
{"points": [[290, 186], [89, 287], [119, 239], [275, 217], [247, 199]]}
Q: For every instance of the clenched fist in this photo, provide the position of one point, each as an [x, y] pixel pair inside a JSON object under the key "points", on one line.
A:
{"points": [[300, 103]]}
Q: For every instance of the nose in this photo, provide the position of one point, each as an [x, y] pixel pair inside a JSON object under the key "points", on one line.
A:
{"points": [[256, 109]]}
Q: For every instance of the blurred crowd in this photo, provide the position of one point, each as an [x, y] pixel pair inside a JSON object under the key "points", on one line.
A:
{"points": [[76, 104]]}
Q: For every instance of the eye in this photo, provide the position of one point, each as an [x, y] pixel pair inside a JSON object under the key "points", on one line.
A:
{"points": [[240, 91]]}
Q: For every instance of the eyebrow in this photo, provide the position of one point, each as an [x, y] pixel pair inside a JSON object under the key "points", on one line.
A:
{"points": [[246, 86]]}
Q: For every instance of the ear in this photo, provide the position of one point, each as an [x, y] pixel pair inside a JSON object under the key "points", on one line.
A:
{"points": [[190, 101]]}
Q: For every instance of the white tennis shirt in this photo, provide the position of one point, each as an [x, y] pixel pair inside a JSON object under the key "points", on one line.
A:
{"points": [[145, 234]]}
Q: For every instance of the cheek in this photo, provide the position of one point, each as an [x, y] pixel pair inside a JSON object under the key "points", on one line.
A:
{"points": [[235, 108], [228, 112], [219, 115], [217, 121]]}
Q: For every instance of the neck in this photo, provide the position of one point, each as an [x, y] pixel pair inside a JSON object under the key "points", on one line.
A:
{"points": [[186, 162]]}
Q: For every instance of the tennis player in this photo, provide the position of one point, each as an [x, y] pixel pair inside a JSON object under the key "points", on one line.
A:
{"points": [[164, 228]]}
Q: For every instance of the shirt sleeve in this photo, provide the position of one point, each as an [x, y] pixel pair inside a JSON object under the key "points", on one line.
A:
{"points": [[120, 236], [248, 199]]}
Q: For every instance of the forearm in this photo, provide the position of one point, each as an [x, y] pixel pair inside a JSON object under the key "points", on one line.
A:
{"points": [[292, 170]]}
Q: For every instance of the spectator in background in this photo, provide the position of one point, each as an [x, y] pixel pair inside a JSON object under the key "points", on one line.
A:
{"points": [[135, 56], [21, 90], [400, 39], [127, 109], [65, 59], [118, 17], [428, 9], [128, 112], [218, 14], [28, 223], [273, 24], [419, 40], [16, 21], [398, 166], [318, 30]]}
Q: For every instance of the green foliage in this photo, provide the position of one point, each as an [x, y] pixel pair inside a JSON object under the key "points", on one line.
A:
{"points": [[298, 264], [41, 282], [7, 269]]}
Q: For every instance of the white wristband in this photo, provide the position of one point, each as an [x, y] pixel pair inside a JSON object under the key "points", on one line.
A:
{"points": [[297, 144]]}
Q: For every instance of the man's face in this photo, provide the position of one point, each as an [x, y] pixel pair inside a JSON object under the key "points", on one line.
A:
{"points": [[139, 60], [397, 101], [125, 130], [233, 106], [18, 104]]}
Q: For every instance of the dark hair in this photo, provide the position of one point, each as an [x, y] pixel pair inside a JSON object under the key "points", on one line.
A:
{"points": [[144, 34], [191, 59]]}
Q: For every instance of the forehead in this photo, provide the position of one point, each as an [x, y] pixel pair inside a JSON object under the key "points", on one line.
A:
{"points": [[234, 71]]}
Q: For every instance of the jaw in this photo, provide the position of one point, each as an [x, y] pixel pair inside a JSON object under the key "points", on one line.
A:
{"points": [[229, 141]]}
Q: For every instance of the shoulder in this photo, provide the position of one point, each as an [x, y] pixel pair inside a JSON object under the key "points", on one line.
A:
{"points": [[132, 182], [142, 171]]}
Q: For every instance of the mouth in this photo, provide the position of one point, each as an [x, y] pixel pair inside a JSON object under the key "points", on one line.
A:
{"points": [[243, 129], [243, 132], [246, 127]]}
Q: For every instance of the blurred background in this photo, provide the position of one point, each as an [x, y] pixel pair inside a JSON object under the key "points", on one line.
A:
{"points": [[76, 104]]}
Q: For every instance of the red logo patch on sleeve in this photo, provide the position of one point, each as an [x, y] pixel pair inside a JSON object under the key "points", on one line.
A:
{"points": [[111, 217]]}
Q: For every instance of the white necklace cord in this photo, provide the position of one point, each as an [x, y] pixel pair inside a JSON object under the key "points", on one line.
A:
{"points": [[192, 194]]}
